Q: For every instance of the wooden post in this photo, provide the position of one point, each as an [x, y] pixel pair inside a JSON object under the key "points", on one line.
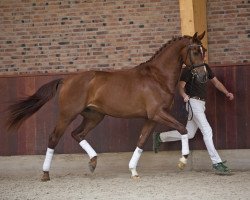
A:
{"points": [[193, 18]]}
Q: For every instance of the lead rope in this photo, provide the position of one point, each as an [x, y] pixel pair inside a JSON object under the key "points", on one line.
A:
{"points": [[189, 107]]}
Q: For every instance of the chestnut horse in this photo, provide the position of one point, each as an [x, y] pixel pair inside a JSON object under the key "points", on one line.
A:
{"points": [[145, 91]]}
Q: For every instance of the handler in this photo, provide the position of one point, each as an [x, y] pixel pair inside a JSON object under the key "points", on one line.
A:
{"points": [[193, 90]]}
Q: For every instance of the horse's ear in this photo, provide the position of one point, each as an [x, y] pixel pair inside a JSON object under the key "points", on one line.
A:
{"points": [[195, 37], [201, 36]]}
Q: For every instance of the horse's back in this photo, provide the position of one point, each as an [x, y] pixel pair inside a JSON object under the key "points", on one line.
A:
{"points": [[121, 93]]}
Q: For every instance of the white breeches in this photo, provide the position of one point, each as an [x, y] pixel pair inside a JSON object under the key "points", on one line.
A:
{"points": [[199, 121]]}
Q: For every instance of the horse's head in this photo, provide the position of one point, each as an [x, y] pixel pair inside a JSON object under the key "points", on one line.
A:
{"points": [[193, 56]]}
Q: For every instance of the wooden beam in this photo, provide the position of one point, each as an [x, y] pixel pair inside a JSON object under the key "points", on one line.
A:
{"points": [[200, 18], [187, 17], [193, 18]]}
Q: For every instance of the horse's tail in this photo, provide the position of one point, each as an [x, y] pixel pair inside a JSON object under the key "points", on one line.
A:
{"points": [[24, 108]]}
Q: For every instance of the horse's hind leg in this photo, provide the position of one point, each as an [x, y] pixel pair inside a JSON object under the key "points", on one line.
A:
{"points": [[90, 119], [54, 138], [146, 130]]}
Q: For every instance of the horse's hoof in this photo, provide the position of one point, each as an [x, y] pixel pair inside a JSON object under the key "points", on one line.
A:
{"points": [[92, 164], [181, 165], [45, 177], [136, 177]]}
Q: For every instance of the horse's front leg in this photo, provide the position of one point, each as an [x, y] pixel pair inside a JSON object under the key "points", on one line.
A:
{"points": [[165, 118], [146, 130]]}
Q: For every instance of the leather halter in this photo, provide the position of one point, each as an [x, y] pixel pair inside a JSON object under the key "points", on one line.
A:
{"points": [[193, 66]]}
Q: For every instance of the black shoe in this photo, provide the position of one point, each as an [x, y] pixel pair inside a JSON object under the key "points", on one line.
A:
{"points": [[156, 142], [221, 169]]}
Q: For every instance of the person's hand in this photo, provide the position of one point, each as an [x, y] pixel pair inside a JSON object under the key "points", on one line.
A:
{"points": [[230, 96], [186, 98]]}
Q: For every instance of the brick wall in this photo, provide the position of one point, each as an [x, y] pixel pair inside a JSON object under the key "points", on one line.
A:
{"points": [[41, 36], [228, 31]]}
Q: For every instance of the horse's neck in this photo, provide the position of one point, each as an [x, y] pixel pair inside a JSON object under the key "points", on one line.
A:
{"points": [[169, 59], [166, 67]]}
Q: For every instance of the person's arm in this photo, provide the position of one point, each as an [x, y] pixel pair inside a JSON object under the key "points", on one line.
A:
{"points": [[182, 90], [222, 88]]}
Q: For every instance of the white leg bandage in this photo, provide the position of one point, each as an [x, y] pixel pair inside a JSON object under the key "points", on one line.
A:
{"points": [[48, 159], [184, 143], [86, 146], [136, 156]]}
